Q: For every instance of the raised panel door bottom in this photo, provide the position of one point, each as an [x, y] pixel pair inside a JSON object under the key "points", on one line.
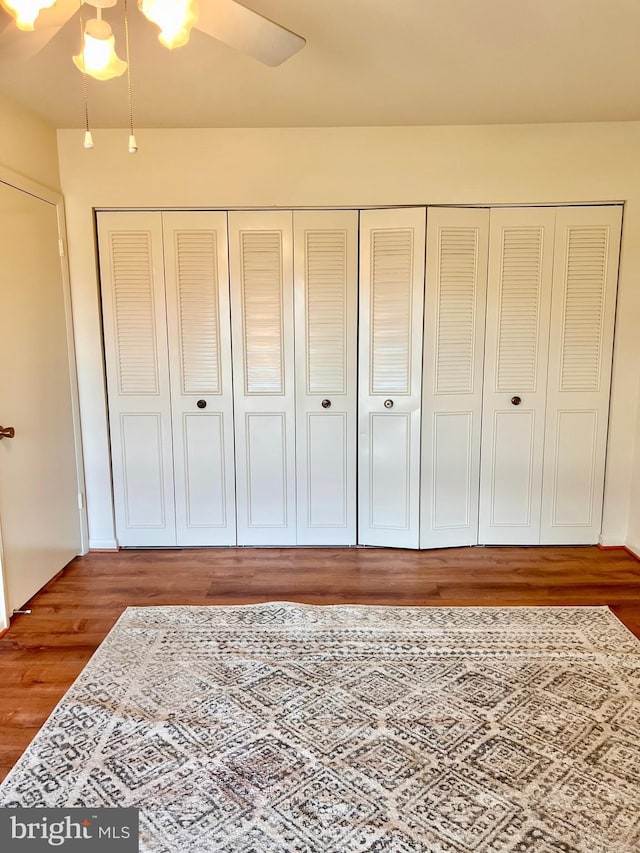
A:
{"points": [[143, 484], [266, 467], [205, 474], [389, 479]]}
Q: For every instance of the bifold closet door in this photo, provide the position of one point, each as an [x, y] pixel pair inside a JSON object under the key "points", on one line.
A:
{"points": [[198, 321], [261, 272], [326, 293], [392, 256], [136, 351], [515, 379], [585, 277], [455, 298]]}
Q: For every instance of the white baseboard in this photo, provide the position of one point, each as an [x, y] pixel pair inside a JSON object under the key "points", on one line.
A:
{"points": [[103, 545]]}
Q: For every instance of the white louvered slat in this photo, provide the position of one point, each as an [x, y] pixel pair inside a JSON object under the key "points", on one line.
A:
{"points": [[586, 278], [455, 344], [199, 322], [391, 310], [326, 256], [519, 309], [261, 259], [132, 271]]}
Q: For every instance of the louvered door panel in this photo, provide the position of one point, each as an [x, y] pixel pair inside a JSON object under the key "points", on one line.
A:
{"points": [[515, 379], [136, 351], [326, 274], [391, 276], [456, 282], [262, 303], [392, 247], [197, 288], [194, 253], [584, 293], [261, 272], [520, 306], [133, 305]]}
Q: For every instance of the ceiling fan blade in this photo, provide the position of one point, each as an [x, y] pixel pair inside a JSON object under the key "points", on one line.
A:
{"points": [[247, 31], [17, 44]]}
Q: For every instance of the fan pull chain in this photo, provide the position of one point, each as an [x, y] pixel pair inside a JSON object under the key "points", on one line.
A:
{"points": [[133, 145], [88, 138]]}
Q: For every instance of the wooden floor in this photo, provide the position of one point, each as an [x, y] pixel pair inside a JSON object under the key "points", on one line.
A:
{"points": [[42, 653]]}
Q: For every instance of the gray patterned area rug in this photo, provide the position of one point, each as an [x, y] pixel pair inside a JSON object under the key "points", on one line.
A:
{"points": [[351, 729]]}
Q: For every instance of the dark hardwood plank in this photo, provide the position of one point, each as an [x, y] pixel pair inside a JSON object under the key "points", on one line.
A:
{"points": [[42, 653]]}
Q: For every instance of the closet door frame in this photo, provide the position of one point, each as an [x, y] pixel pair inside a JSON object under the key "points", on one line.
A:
{"points": [[254, 406]]}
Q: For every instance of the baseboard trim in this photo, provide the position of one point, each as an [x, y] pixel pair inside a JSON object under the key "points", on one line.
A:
{"points": [[103, 545], [633, 549]]}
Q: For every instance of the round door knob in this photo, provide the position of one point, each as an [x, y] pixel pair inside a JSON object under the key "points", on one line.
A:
{"points": [[516, 400], [7, 432], [326, 404], [388, 404], [201, 404]]}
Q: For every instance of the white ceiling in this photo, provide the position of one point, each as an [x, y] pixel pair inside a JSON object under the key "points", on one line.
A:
{"points": [[366, 62]]}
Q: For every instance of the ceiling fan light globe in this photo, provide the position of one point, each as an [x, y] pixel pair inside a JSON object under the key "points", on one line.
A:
{"points": [[174, 17], [25, 12], [98, 57]]}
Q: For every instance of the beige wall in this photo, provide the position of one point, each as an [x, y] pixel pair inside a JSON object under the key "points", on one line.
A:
{"points": [[521, 164], [28, 145]]}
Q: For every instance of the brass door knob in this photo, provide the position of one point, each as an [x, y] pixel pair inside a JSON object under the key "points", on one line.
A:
{"points": [[7, 432]]}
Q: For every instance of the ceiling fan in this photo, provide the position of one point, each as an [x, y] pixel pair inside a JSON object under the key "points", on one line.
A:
{"points": [[227, 21]]}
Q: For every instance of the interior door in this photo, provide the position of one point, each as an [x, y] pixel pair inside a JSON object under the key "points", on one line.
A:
{"points": [[39, 490], [261, 272], [455, 294], [515, 381], [585, 277], [136, 351], [392, 258], [326, 294], [198, 324]]}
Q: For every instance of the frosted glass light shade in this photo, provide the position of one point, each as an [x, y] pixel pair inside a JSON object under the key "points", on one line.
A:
{"points": [[174, 17], [26, 11], [98, 57]]}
